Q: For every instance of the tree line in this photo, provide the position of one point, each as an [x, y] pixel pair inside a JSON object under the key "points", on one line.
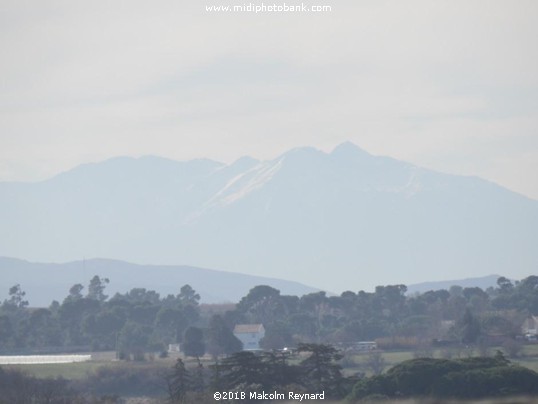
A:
{"points": [[141, 320], [319, 326], [132, 323]]}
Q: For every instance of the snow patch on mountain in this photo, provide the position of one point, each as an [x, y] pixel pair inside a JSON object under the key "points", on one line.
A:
{"points": [[252, 180], [240, 186]]}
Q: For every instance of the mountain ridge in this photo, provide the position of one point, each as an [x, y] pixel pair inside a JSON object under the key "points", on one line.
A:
{"points": [[214, 286], [483, 283], [332, 219], [223, 287]]}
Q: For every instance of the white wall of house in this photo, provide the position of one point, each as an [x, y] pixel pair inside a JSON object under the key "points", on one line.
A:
{"points": [[530, 325], [251, 338]]}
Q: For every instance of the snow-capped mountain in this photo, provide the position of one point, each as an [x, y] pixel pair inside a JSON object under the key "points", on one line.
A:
{"points": [[340, 220]]}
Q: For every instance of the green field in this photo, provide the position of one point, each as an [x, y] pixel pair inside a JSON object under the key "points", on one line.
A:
{"points": [[80, 370], [529, 357], [355, 363], [358, 363]]}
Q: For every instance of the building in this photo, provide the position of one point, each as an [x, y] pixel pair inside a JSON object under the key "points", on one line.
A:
{"points": [[173, 348], [250, 335], [530, 326]]}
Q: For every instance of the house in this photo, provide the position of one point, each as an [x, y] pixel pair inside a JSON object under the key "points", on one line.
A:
{"points": [[530, 326], [249, 335], [173, 348]]}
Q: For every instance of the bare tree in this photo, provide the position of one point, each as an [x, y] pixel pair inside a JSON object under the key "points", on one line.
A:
{"points": [[376, 362]]}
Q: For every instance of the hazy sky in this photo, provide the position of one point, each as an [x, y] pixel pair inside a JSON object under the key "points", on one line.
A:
{"points": [[450, 85]]}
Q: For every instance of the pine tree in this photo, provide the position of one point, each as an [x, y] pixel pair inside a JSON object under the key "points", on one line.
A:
{"points": [[178, 382]]}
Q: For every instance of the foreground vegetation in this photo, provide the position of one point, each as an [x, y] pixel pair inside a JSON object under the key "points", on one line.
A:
{"points": [[316, 370], [352, 363], [443, 378], [454, 326]]}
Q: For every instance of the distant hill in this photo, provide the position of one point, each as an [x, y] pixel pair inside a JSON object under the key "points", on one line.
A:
{"points": [[345, 220], [44, 283], [483, 283]]}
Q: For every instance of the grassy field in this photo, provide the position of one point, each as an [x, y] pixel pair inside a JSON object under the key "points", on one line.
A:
{"points": [[529, 357], [77, 371], [358, 363], [355, 363], [352, 364]]}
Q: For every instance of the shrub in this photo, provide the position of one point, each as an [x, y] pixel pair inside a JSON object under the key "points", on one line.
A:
{"points": [[468, 378], [129, 380]]}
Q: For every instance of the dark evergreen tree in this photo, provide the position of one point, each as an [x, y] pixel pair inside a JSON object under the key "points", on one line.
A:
{"points": [[6, 333], [470, 327], [134, 339], [96, 288], [75, 292], [320, 372], [178, 382], [277, 336], [193, 342], [16, 298], [220, 339], [188, 297], [242, 369], [278, 373]]}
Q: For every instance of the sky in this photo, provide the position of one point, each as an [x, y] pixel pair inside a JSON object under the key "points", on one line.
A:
{"points": [[447, 85]]}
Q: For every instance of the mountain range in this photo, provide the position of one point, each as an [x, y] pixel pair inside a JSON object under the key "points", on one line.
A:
{"points": [[483, 282], [45, 282], [344, 220]]}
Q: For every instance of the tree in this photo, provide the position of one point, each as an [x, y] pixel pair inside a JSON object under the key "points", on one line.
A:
{"points": [[134, 338], [505, 285], [470, 327], [220, 339], [178, 382], [255, 295], [246, 371], [277, 370], [469, 378], [41, 329], [392, 298], [317, 304], [320, 370], [17, 387], [188, 297], [16, 298], [242, 369], [512, 347], [375, 362], [103, 328], [171, 324], [304, 324], [76, 291], [476, 298], [529, 284], [263, 304], [277, 336], [96, 288], [193, 344], [72, 313], [528, 290], [6, 332], [141, 295], [144, 313]]}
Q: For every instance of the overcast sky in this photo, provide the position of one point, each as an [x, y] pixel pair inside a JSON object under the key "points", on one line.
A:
{"points": [[450, 85]]}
